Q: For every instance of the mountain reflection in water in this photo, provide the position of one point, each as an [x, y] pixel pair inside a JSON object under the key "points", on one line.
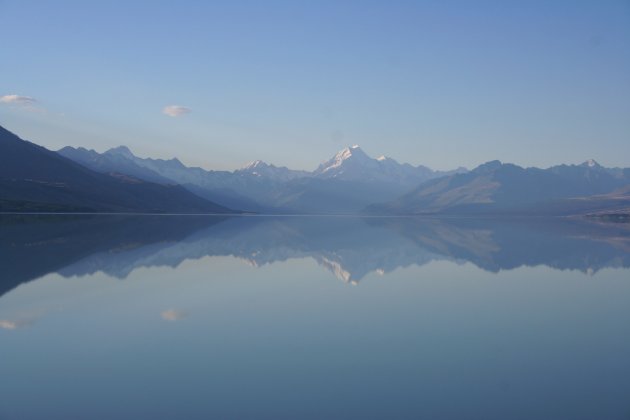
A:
{"points": [[348, 247]]}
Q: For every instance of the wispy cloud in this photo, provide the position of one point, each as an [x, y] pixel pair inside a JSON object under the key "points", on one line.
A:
{"points": [[25, 103], [173, 315], [176, 110], [18, 100], [6, 324]]}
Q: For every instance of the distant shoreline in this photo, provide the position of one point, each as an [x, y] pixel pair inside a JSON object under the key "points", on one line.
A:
{"points": [[622, 217]]}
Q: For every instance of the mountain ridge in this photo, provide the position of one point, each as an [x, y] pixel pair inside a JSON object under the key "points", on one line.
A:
{"points": [[35, 179], [350, 182], [346, 183], [503, 188]]}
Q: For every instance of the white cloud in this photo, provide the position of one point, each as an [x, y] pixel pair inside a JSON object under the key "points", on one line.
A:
{"points": [[175, 110], [18, 100], [173, 315], [25, 103], [6, 324]]}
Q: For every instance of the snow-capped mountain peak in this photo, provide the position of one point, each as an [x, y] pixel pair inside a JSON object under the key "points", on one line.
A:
{"points": [[352, 155], [353, 164], [349, 152], [591, 163], [255, 164], [260, 169]]}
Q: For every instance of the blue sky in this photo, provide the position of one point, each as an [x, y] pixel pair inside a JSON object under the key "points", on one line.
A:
{"points": [[441, 83]]}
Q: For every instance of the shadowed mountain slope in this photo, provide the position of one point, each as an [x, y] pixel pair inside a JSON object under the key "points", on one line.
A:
{"points": [[33, 178]]}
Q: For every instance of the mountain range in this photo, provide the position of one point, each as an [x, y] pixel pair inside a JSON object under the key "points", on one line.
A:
{"points": [[499, 188], [33, 178], [347, 183]]}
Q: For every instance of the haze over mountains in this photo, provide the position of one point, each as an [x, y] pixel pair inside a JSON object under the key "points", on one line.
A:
{"points": [[347, 183], [351, 182]]}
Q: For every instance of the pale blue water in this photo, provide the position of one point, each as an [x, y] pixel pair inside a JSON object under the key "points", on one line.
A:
{"points": [[313, 318]]}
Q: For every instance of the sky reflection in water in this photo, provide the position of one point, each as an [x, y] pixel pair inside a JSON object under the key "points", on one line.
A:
{"points": [[201, 317]]}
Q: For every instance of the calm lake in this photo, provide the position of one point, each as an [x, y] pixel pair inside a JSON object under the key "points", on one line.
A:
{"points": [[174, 317]]}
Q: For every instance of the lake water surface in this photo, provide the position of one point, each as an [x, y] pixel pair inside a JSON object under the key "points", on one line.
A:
{"points": [[172, 317]]}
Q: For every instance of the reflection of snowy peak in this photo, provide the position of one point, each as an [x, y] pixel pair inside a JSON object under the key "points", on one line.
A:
{"points": [[351, 248], [262, 241], [348, 247]]}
